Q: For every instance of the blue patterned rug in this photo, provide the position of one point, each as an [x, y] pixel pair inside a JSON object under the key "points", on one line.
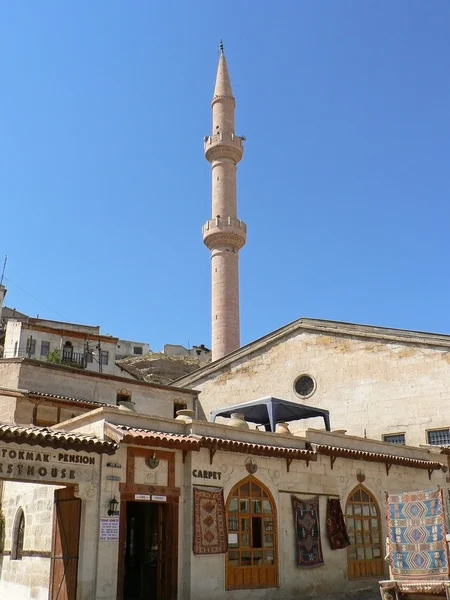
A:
{"points": [[416, 532]]}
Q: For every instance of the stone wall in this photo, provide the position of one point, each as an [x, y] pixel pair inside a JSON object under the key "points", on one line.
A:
{"points": [[66, 382], [28, 578], [371, 387], [303, 481]]}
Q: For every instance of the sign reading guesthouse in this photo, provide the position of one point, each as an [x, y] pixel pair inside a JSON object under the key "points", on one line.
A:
{"points": [[44, 465]]}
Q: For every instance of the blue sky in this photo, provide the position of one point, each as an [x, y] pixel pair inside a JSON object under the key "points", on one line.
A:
{"points": [[344, 185]]}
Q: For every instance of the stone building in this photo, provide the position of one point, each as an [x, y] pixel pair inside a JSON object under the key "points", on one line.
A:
{"points": [[118, 504], [385, 384], [78, 345]]}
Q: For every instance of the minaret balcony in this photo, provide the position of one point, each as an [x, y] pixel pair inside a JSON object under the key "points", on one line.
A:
{"points": [[224, 232], [224, 145]]}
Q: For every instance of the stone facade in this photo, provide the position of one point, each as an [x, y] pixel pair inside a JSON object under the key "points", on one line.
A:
{"points": [[302, 479], [53, 381], [373, 381]]}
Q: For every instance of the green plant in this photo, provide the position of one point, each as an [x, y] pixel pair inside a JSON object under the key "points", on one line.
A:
{"points": [[54, 356]]}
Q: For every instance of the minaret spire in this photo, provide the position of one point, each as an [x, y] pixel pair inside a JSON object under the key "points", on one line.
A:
{"points": [[224, 234]]}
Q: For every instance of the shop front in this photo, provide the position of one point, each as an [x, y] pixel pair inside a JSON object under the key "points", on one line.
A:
{"points": [[205, 510]]}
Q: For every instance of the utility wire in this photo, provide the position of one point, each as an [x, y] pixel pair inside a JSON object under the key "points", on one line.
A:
{"points": [[34, 298]]}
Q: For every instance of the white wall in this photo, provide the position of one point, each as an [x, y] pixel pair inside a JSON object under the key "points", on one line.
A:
{"points": [[127, 348], [19, 332], [12, 339]]}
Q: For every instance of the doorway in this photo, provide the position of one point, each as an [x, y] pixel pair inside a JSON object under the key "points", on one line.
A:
{"points": [[146, 559]]}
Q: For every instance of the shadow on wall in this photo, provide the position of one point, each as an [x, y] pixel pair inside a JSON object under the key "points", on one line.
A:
{"points": [[2, 540]]}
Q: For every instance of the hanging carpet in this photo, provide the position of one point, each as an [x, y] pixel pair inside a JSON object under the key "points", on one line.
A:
{"points": [[210, 530], [416, 532], [336, 529], [307, 532]]}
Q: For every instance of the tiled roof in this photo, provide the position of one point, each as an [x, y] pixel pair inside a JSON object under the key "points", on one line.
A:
{"points": [[147, 437], [388, 459], [259, 449], [47, 438], [68, 399]]}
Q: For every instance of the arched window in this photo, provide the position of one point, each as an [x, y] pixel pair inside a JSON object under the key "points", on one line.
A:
{"points": [[251, 560], [362, 515], [18, 535]]}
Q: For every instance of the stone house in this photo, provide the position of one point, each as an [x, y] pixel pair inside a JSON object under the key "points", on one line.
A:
{"points": [[385, 384], [108, 503]]}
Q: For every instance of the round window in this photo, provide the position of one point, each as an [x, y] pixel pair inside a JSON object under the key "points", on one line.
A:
{"points": [[304, 385]]}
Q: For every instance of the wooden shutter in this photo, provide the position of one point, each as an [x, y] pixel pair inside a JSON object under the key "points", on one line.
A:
{"points": [[66, 538]]}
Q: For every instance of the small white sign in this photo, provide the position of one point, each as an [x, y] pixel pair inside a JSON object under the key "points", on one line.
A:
{"points": [[159, 498], [232, 538], [109, 529], [142, 496]]}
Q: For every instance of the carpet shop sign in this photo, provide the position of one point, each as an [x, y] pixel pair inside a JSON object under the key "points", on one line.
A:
{"points": [[27, 463]]}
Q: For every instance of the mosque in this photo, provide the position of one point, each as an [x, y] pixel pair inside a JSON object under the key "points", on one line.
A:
{"points": [[263, 474]]}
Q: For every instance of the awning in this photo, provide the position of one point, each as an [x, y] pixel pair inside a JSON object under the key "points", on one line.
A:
{"points": [[270, 411]]}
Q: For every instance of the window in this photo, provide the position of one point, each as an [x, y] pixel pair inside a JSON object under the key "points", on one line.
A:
{"points": [[104, 356], [365, 553], [439, 437], [178, 405], [31, 346], [122, 397], [15, 349], [304, 386], [251, 560], [45, 348], [395, 438], [137, 350], [18, 536]]}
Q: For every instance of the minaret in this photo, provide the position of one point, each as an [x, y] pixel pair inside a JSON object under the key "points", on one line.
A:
{"points": [[224, 234]]}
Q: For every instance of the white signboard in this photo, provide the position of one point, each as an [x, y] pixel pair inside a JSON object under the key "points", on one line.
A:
{"points": [[142, 496], [159, 498], [109, 529]]}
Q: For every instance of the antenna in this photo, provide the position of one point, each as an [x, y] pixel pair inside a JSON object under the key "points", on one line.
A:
{"points": [[4, 268]]}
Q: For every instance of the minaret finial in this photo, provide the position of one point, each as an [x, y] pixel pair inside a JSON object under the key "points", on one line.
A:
{"points": [[221, 47]]}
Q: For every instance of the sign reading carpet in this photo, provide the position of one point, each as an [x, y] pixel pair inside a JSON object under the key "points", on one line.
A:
{"points": [[307, 532], [416, 532], [210, 530]]}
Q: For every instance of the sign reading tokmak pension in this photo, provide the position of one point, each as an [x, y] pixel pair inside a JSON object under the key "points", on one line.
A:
{"points": [[44, 465]]}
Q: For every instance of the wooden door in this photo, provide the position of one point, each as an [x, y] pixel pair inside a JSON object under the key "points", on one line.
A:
{"points": [[66, 538], [365, 554], [169, 537]]}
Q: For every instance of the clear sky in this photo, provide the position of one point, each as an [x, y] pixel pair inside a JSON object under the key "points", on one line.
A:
{"points": [[344, 184]]}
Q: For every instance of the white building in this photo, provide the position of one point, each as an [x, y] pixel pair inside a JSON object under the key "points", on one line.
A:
{"points": [[81, 346]]}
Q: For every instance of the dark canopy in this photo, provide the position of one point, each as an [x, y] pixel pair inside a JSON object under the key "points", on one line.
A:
{"points": [[270, 411]]}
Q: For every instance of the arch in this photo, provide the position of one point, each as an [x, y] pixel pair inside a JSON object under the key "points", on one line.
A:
{"points": [[363, 520], [252, 557], [18, 535]]}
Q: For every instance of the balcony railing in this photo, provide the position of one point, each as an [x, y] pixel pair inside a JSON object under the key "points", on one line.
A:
{"points": [[77, 359]]}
